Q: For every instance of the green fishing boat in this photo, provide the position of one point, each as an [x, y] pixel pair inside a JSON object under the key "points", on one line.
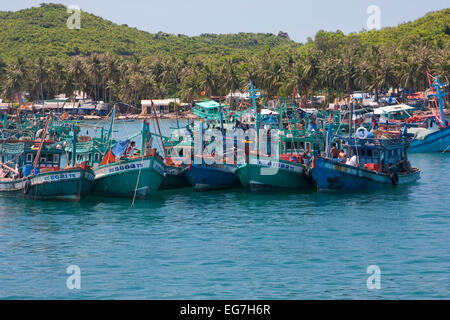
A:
{"points": [[129, 175], [134, 177], [32, 169], [286, 166]]}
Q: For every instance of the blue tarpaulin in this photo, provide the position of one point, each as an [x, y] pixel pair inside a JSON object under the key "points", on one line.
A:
{"points": [[120, 148]]}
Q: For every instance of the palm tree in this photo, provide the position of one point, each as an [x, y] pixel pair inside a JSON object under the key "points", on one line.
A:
{"points": [[14, 79], [109, 74], [94, 69], [78, 71]]}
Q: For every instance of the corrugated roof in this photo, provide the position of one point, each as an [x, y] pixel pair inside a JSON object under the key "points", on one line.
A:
{"points": [[394, 108], [208, 104]]}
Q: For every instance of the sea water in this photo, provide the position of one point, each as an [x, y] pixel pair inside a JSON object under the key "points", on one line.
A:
{"points": [[233, 244]]}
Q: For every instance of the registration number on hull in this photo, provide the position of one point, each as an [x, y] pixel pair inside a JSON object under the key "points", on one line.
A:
{"points": [[126, 167], [62, 176]]}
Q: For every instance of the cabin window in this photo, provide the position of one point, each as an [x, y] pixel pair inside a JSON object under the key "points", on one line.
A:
{"points": [[363, 152], [29, 157], [369, 153], [50, 157], [375, 153], [96, 157], [308, 144], [56, 158]]}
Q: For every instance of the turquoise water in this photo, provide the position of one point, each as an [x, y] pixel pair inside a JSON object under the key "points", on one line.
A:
{"points": [[234, 244]]}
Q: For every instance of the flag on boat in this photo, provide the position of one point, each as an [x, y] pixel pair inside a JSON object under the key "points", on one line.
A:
{"points": [[108, 158]]}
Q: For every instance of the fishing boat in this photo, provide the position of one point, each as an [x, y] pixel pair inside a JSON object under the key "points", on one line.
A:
{"points": [[205, 177], [176, 150], [373, 160], [437, 138], [282, 162], [212, 166], [129, 175], [177, 154], [429, 132], [38, 174]]}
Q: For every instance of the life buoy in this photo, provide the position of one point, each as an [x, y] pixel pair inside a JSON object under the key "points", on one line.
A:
{"points": [[365, 133], [394, 178], [27, 186]]}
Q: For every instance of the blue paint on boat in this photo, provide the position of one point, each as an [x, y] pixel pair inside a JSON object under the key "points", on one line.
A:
{"points": [[330, 174], [438, 141], [211, 177]]}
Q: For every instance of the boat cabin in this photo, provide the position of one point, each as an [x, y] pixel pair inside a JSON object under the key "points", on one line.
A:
{"points": [[399, 112], [208, 110], [376, 154]]}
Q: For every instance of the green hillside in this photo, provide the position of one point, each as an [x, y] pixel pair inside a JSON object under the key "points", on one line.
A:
{"points": [[433, 28], [43, 30], [41, 56]]}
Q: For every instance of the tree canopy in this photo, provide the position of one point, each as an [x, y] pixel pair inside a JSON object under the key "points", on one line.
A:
{"points": [[41, 56]]}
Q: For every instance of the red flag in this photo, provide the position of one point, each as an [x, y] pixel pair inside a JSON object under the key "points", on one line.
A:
{"points": [[203, 93], [109, 158]]}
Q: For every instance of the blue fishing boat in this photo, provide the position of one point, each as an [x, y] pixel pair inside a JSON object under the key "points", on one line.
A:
{"points": [[429, 133], [211, 176], [371, 162], [437, 139], [211, 167]]}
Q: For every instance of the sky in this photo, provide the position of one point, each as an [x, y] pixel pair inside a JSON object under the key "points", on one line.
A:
{"points": [[300, 19]]}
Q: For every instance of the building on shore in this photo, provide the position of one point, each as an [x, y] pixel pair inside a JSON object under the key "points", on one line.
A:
{"points": [[161, 105], [5, 107]]}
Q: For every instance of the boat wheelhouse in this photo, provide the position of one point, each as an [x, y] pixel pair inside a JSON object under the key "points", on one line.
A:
{"points": [[393, 114]]}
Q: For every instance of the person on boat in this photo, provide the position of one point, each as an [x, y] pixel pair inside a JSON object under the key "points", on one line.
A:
{"points": [[131, 149], [312, 124], [334, 152], [342, 156], [351, 161], [307, 155]]}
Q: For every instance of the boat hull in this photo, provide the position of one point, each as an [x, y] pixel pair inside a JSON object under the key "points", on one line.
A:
{"points": [[205, 177], [173, 178], [70, 184], [264, 173], [330, 175], [139, 177], [438, 141]]}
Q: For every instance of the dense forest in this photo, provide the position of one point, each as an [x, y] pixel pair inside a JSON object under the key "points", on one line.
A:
{"points": [[41, 56]]}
